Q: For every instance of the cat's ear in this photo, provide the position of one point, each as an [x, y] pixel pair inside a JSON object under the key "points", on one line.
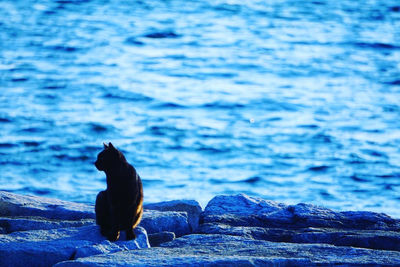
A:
{"points": [[105, 145], [111, 145]]}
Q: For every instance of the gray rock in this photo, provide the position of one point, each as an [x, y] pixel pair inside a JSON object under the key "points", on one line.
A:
{"points": [[191, 207], [306, 215], [171, 221], [35, 223], [242, 210], [224, 250], [47, 247], [233, 230], [372, 239], [370, 220], [159, 238], [242, 205], [30, 212], [245, 216], [19, 205]]}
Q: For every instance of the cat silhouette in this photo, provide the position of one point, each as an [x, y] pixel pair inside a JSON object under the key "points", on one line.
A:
{"points": [[120, 206]]}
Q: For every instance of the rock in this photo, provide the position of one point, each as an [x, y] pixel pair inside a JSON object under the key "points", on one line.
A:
{"points": [[241, 205], [171, 221], [232, 230], [372, 239], [242, 210], [191, 207], [225, 250], [306, 215], [31, 212], [43, 253], [245, 216], [13, 224], [370, 220], [47, 247], [158, 238], [19, 205]]}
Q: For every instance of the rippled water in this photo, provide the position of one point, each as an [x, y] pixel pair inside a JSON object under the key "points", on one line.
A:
{"points": [[294, 101]]}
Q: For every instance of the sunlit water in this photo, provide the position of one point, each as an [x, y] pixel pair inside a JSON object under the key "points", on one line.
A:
{"points": [[293, 101]]}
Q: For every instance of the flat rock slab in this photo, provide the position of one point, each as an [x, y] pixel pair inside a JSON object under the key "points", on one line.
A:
{"points": [[47, 247], [191, 207], [242, 210], [225, 250], [232, 230], [20, 213], [241, 215], [373, 239], [37, 231], [19, 205], [13, 224], [171, 221]]}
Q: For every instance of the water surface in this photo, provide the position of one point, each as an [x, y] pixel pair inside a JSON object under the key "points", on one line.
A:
{"points": [[293, 101]]}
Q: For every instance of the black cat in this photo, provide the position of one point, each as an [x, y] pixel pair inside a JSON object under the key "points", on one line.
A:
{"points": [[120, 206]]}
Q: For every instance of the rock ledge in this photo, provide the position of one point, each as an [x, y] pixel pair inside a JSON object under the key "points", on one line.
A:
{"points": [[232, 230]]}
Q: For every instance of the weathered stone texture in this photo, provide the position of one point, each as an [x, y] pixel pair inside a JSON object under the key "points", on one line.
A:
{"points": [[232, 231]]}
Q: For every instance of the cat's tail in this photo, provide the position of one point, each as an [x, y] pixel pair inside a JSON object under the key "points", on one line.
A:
{"points": [[139, 201], [138, 216]]}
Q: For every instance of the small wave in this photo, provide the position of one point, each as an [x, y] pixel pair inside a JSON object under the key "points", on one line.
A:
{"points": [[163, 130], [213, 150], [5, 120], [376, 45], [395, 9], [162, 35], [62, 48], [73, 158], [31, 143], [393, 82], [389, 176], [43, 192], [217, 181], [177, 57], [230, 9], [7, 145], [356, 159], [359, 178], [374, 153], [72, 1], [222, 105], [215, 74], [54, 84], [174, 186], [152, 182], [309, 126], [128, 96], [252, 180], [322, 138], [322, 168], [98, 128], [133, 41], [326, 195], [5, 161], [20, 79], [168, 105], [33, 130]]}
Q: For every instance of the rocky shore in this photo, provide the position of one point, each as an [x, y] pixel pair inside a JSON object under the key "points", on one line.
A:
{"points": [[233, 230]]}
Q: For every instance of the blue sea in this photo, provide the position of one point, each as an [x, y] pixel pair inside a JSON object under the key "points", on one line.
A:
{"points": [[288, 100]]}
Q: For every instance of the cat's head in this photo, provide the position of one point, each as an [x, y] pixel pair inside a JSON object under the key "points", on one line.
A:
{"points": [[108, 158]]}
